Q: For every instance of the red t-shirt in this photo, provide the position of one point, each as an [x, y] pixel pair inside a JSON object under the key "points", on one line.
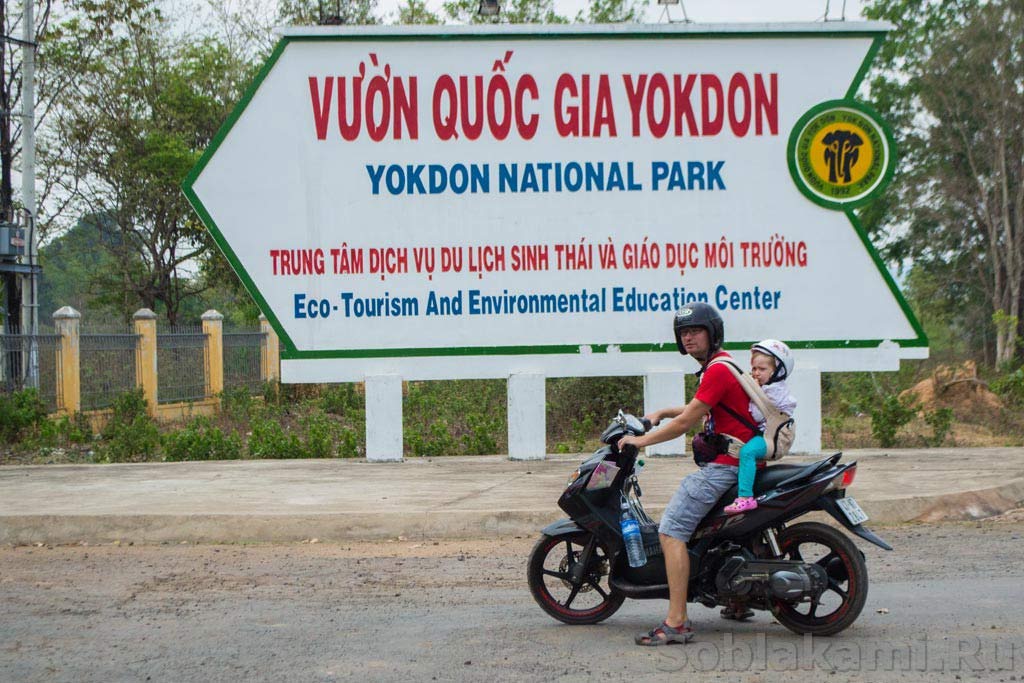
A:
{"points": [[718, 386]]}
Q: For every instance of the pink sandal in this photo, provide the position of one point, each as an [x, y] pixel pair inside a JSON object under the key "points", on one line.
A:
{"points": [[741, 505]]}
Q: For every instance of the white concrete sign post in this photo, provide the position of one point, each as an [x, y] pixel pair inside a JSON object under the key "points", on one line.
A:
{"points": [[532, 202]]}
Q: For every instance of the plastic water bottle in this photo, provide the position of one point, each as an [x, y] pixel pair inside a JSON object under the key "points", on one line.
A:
{"points": [[631, 537]]}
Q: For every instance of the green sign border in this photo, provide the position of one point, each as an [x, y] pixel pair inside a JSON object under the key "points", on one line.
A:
{"points": [[794, 138], [290, 352]]}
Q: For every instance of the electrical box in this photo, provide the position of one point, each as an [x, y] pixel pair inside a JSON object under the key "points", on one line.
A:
{"points": [[12, 240]]}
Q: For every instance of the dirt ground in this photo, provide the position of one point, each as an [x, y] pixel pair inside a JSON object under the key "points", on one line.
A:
{"points": [[460, 610]]}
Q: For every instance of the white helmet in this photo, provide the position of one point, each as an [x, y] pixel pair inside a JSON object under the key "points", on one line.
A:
{"points": [[783, 358]]}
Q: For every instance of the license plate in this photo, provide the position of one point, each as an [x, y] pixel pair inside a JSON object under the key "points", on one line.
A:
{"points": [[852, 510]]}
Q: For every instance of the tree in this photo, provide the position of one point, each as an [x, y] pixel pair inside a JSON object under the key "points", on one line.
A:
{"points": [[75, 271], [141, 112], [611, 12], [416, 12], [512, 12], [952, 82], [308, 12]]}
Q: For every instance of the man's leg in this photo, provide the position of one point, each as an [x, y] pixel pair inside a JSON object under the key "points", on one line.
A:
{"points": [[677, 567], [697, 494], [675, 628]]}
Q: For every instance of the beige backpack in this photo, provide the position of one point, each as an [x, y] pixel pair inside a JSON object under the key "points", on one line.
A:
{"points": [[779, 429]]}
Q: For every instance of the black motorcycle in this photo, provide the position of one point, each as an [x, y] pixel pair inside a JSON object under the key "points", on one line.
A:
{"points": [[810, 576]]}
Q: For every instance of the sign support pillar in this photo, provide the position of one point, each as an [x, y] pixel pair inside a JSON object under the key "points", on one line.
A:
{"points": [[805, 385], [384, 418], [527, 417], [665, 390]]}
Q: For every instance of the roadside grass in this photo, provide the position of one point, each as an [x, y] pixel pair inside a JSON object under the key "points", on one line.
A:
{"points": [[469, 417]]}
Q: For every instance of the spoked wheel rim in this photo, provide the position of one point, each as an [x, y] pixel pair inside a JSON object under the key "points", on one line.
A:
{"points": [[585, 600], [840, 603]]}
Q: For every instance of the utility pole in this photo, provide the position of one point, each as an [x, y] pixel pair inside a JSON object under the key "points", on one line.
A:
{"points": [[11, 278], [30, 309], [19, 250]]}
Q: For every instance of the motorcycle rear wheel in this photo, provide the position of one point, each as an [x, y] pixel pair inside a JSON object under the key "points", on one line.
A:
{"points": [[588, 601], [847, 590]]}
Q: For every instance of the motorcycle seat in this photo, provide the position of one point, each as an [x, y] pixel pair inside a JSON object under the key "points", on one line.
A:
{"points": [[774, 475]]}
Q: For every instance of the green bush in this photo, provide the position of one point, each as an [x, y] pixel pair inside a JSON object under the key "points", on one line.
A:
{"points": [[456, 417], [268, 439], [131, 433], [480, 439], [578, 408], [201, 440], [236, 403], [75, 429], [132, 441], [126, 409], [832, 426], [271, 439], [584, 430], [1010, 388], [436, 440], [852, 394], [271, 393], [42, 436], [320, 435], [889, 417], [348, 443], [941, 421], [341, 399], [21, 412]]}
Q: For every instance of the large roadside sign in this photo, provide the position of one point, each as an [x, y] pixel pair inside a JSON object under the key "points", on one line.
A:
{"points": [[459, 201]]}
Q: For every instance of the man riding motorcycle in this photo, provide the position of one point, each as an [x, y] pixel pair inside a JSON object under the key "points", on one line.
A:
{"points": [[699, 332]]}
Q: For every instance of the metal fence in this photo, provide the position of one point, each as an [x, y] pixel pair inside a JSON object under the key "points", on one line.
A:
{"points": [[20, 353], [182, 365], [108, 363], [243, 351]]}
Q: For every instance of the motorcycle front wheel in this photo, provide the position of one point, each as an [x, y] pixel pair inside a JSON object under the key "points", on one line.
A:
{"points": [[554, 563], [842, 601]]}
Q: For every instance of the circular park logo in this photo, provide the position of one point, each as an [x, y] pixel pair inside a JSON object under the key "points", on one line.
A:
{"points": [[840, 154]]}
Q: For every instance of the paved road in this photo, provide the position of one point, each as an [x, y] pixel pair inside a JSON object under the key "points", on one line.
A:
{"points": [[946, 605], [277, 501]]}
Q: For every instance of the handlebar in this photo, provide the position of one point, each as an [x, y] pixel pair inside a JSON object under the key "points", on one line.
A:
{"points": [[623, 424]]}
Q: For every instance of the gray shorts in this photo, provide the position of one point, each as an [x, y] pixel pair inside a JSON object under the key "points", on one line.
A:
{"points": [[697, 494]]}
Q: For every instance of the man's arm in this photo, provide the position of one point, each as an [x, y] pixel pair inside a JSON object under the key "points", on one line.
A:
{"points": [[690, 415], [664, 414]]}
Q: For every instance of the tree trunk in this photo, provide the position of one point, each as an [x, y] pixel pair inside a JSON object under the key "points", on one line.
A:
{"points": [[1001, 347]]}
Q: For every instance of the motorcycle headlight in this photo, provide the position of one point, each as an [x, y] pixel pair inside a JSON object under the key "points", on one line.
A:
{"points": [[573, 477]]}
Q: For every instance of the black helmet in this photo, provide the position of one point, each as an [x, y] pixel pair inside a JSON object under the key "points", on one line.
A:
{"points": [[704, 315]]}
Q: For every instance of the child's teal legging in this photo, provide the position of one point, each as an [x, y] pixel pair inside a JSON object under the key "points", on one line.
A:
{"points": [[752, 451]]}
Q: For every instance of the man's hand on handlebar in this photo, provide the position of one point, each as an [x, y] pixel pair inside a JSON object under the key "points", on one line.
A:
{"points": [[628, 440]]}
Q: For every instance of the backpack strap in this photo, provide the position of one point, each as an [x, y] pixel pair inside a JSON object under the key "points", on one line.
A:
{"points": [[752, 389], [742, 420]]}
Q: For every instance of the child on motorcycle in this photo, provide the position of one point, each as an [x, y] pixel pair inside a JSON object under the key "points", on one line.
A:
{"points": [[771, 363]]}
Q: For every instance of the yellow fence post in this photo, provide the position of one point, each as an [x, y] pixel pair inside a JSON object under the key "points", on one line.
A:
{"points": [[270, 358], [67, 322], [213, 328], [145, 356]]}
